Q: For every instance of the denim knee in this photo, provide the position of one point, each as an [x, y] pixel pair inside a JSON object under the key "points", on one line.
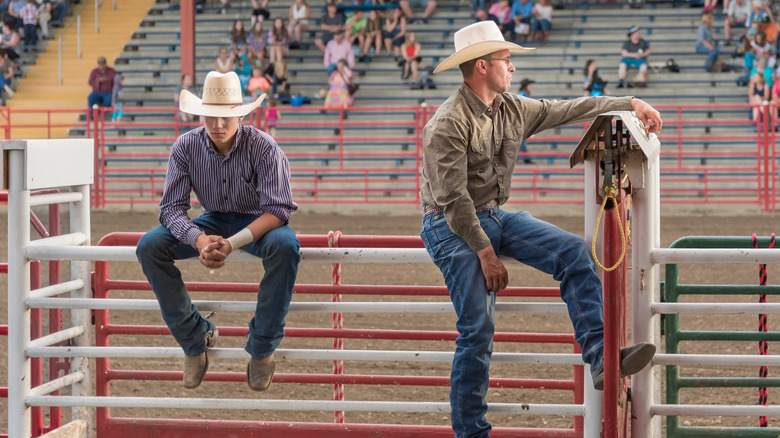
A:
{"points": [[281, 245]]}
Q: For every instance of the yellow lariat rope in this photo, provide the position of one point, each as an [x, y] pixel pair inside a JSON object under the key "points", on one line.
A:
{"points": [[609, 195]]}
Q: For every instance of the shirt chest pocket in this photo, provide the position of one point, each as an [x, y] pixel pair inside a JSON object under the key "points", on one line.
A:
{"points": [[510, 144], [480, 149]]}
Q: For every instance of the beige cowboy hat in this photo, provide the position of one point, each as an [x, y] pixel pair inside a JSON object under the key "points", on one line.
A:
{"points": [[476, 40], [222, 97]]}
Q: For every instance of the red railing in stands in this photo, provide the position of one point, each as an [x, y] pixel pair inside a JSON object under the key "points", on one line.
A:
{"points": [[711, 154]]}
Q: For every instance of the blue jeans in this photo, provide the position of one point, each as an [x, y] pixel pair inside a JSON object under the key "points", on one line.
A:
{"points": [[540, 24], [535, 243], [712, 55], [279, 248], [101, 99]]}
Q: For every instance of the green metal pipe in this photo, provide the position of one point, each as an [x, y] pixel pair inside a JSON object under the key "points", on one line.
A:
{"points": [[727, 289], [728, 382], [701, 335], [738, 432]]}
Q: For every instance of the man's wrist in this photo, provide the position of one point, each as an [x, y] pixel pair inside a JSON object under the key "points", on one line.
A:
{"points": [[243, 237]]}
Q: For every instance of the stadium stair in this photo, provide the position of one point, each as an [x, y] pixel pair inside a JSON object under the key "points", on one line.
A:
{"points": [[40, 87]]}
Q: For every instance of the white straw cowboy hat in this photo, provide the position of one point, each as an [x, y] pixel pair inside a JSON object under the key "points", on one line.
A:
{"points": [[222, 97], [476, 40]]}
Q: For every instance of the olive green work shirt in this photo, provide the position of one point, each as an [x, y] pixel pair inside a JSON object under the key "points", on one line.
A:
{"points": [[469, 156]]}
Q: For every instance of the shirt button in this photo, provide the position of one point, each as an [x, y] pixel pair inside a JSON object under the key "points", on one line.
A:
{"points": [[224, 180]]}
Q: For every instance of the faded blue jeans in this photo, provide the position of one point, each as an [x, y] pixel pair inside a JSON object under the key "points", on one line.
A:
{"points": [[279, 248], [535, 243]]}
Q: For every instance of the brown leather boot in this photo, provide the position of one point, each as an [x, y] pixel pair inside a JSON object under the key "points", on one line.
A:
{"points": [[195, 367], [260, 372]]}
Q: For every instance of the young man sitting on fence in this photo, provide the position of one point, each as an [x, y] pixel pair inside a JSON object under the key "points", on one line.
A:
{"points": [[470, 148], [242, 180]]}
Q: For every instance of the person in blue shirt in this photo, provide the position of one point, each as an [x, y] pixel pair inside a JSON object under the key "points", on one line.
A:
{"points": [[521, 15]]}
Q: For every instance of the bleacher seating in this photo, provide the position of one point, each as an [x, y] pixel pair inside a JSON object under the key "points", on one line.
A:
{"points": [[150, 64]]}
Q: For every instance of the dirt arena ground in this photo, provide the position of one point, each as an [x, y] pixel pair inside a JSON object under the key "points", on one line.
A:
{"points": [[405, 221]]}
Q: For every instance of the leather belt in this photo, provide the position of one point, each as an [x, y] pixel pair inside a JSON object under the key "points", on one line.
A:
{"points": [[430, 209]]}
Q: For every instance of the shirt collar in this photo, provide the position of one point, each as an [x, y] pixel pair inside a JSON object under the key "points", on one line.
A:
{"points": [[476, 104]]}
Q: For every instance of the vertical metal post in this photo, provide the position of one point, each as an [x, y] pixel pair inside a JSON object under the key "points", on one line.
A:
{"points": [[79, 223], [78, 35], [19, 414], [594, 400], [97, 5], [645, 290], [59, 56]]}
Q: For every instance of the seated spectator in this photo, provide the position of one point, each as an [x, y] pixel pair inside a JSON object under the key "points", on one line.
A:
{"points": [[330, 23], [9, 41], [758, 94], [259, 11], [299, 16], [373, 38], [272, 115], [758, 10], [592, 84], [541, 23], [279, 76], [44, 17], [224, 62], [737, 17], [634, 54], [58, 9], [356, 27], [116, 99], [395, 32], [428, 5], [259, 84], [774, 96], [483, 15], [29, 15], [257, 43], [705, 42], [101, 79], [187, 83], [760, 48], [770, 29], [6, 75], [337, 49], [411, 50], [243, 69], [503, 12], [237, 36], [522, 11], [15, 12], [761, 67], [338, 86], [278, 41]]}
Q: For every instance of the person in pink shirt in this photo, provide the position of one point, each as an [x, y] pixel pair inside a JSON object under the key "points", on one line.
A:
{"points": [[503, 11], [338, 48]]}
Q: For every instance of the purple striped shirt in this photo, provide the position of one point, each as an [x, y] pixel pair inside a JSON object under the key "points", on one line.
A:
{"points": [[253, 178]]}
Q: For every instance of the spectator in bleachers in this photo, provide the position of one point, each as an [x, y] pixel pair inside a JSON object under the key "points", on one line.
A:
{"points": [[338, 86], [758, 10], [634, 54], [760, 66], [522, 11], [272, 115], [541, 23], [483, 15], [395, 33], [225, 60], [774, 95], [15, 11], [116, 98], [758, 93], [237, 35], [760, 48], [243, 69], [299, 16], [278, 41], [337, 49], [373, 36], [101, 79], [705, 42], [9, 41], [225, 5], [503, 12], [187, 83], [356, 26], [279, 76], [411, 50], [258, 41], [770, 29], [58, 9], [593, 84], [737, 17], [526, 88], [6, 75], [428, 5], [259, 11], [259, 84], [30, 19], [44, 17], [330, 23]]}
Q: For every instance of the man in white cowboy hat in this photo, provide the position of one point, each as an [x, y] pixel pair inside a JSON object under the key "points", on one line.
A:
{"points": [[242, 180], [470, 148]]}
